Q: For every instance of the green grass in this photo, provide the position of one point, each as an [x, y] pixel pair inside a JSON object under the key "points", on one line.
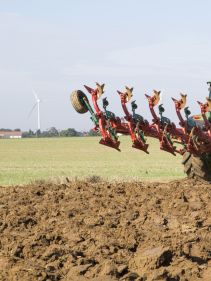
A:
{"points": [[26, 160]]}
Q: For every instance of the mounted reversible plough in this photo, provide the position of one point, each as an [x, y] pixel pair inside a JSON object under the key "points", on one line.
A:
{"points": [[192, 139]]}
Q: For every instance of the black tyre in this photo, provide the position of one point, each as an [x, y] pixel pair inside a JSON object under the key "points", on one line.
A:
{"points": [[197, 166], [78, 99]]}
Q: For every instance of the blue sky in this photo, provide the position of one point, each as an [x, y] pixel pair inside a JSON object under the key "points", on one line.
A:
{"points": [[55, 47]]}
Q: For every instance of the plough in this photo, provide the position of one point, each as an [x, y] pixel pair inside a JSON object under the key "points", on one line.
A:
{"points": [[192, 140]]}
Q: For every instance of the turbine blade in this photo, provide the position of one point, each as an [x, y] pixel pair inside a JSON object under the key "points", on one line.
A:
{"points": [[35, 95], [30, 113]]}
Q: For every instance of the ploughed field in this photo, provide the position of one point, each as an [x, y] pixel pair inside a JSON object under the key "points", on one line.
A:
{"points": [[98, 230], [27, 160]]}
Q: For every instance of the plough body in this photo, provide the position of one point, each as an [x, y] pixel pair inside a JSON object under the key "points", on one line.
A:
{"points": [[193, 136]]}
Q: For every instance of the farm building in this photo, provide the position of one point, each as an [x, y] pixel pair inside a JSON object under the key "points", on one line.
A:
{"points": [[10, 134]]}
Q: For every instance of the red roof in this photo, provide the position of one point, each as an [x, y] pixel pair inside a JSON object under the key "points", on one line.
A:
{"points": [[11, 133]]}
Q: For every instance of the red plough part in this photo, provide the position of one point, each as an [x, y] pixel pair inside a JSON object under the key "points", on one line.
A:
{"points": [[105, 125], [193, 136], [135, 122]]}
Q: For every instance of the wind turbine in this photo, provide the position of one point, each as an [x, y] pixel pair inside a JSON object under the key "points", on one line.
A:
{"points": [[37, 104]]}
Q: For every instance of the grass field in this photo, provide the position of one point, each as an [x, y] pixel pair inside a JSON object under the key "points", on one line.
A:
{"points": [[27, 160]]}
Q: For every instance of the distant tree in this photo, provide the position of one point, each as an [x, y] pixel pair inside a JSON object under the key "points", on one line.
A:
{"points": [[53, 132], [39, 133], [63, 133], [29, 134], [44, 134], [70, 132]]}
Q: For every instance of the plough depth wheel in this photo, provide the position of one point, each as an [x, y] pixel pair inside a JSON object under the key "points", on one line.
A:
{"points": [[78, 101], [197, 166]]}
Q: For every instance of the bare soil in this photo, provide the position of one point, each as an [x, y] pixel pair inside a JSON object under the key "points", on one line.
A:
{"points": [[98, 230]]}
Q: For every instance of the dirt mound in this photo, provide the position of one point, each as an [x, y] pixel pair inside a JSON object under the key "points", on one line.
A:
{"points": [[106, 231]]}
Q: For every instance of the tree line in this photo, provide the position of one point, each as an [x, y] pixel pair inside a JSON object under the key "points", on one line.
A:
{"points": [[53, 132]]}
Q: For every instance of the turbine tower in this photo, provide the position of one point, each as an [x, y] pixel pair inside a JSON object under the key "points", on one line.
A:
{"points": [[37, 104]]}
